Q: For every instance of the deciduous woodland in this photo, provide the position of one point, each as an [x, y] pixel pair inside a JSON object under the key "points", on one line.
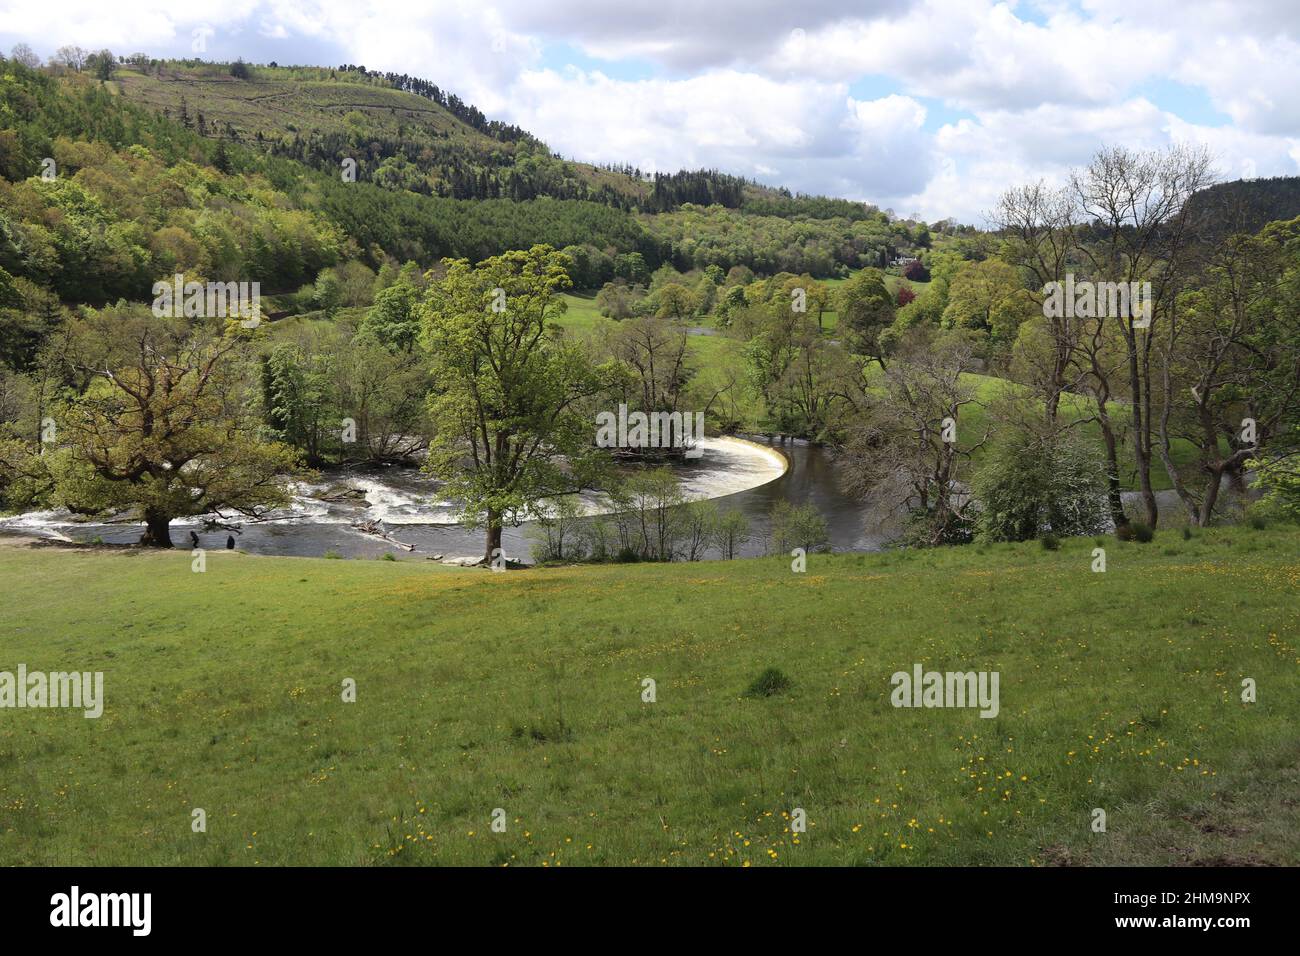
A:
{"points": [[249, 311], [769, 314]]}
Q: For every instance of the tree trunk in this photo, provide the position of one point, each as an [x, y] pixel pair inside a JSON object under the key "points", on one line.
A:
{"points": [[1166, 458], [157, 532], [1139, 399], [1148, 493], [1114, 496], [493, 537], [1211, 496]]}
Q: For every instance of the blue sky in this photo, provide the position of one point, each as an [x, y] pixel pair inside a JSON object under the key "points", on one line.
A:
{"points": [[926, 106]]}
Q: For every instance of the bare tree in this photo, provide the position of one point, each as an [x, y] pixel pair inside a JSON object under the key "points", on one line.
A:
{"points": [[22, 53], [73, 57], [1139, 229], [1042, 239]]}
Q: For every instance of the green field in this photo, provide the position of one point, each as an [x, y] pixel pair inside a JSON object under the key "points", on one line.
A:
{"points": [[522, 691]]}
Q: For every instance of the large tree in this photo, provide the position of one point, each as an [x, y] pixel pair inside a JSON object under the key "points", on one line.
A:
{"points": [[509, 389], [989, 297], [162, 428], [866, 309], [1231, 363], [906, 452]]}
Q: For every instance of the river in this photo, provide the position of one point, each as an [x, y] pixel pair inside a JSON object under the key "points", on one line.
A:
{"points": [[747, 475]]}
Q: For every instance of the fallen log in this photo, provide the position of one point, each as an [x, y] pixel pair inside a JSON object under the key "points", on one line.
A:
{"points": [[377, 529]]}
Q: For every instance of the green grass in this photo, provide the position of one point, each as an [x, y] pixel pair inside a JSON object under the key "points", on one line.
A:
{"points": [[523, 691], [582, 313]]}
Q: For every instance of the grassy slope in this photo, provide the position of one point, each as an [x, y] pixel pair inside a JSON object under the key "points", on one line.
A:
{"points": [[275, 102], [522, 691]]}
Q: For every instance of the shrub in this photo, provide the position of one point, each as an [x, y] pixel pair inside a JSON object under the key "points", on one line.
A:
{"points": [[596, 539], [770, 682], [388, 557], [1050, 542], [1187, 534], [699, 527], [926, 529], [1142, 532], [1124, 532], [649, 518], [1030, 484], [555, 532], [731, 533], [797, 526], [1278, 475]]}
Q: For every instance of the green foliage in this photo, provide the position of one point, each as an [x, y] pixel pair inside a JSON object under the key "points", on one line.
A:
{"points": [[866, 309], [300, 397], [556, 532], [990, 298], [649, 515], [618, 300], [1278, 476], [394, 319], [162, 428], [1030, 483], [701, 236], [797, 526], [731, 533], [507, 400]]}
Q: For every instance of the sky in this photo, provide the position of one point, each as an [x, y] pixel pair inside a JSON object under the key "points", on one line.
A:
{"points": [[931, 108]]}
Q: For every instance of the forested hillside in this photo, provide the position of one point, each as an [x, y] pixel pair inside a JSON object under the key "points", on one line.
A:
{"points": [[1246, 205], [408, 135], [432, 178]]}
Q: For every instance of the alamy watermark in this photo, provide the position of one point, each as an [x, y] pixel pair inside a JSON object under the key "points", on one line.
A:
{"points": [[75, 908], [75, 689], [922, 688], [1098, 300], [650, 430], [230, 300]]}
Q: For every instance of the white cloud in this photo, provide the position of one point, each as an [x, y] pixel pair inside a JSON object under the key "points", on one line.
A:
{"points": [[772, 90]]}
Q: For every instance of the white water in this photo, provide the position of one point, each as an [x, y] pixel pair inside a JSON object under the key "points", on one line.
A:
{"points": [[406, 497]]}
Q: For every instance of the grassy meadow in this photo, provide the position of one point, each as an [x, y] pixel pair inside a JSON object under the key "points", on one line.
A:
{"points": [[523, 691]]}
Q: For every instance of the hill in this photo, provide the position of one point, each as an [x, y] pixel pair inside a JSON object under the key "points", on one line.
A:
{"points": [[403, 132], [523, 691], [1246, 205]]}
